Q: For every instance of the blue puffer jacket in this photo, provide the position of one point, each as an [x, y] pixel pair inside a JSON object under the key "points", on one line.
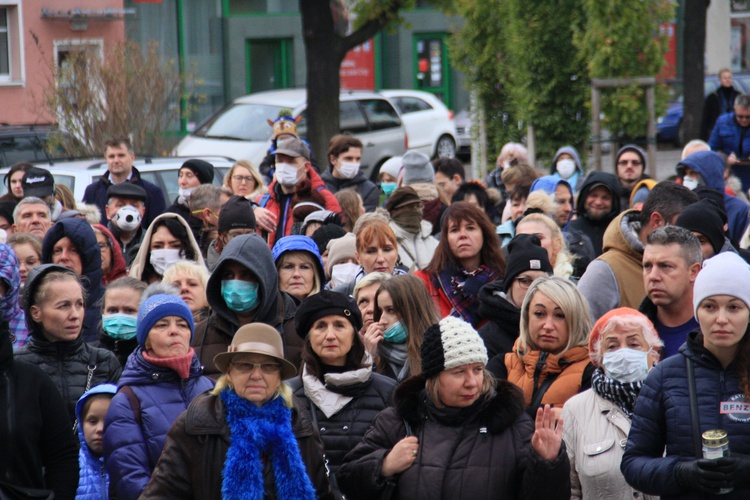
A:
{"points": [[93, 482], [725, 137], [662, 419], [132, 450]]}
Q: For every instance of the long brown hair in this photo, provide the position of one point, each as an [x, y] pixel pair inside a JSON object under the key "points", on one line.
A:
{"points": [[415, 310], [490, 254]]}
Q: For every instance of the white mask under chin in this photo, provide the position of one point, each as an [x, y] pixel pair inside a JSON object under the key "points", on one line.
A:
{"points": [[344, 273], [286, 174], [185, 194], [163, 259]]}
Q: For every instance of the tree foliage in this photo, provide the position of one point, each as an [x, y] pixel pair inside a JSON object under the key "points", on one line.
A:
{"points": [[621, 38], [130, 91]]}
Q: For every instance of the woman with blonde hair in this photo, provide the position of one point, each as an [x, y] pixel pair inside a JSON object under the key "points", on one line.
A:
{"points": [[551, 238], [244, 180], [191, 279], [550, 360]]}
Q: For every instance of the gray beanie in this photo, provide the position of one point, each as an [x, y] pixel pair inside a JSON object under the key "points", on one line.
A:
{"points": [[724, 274], [417, 168]]}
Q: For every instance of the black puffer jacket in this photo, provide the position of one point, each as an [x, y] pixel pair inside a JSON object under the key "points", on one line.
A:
{"points": [[348, 421], [591, 228], [487, 454], [503, 319], [369, 192], [66, 362]]}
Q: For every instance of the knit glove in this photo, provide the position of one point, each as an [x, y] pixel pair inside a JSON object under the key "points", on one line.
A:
{"points": [[707, 476]]}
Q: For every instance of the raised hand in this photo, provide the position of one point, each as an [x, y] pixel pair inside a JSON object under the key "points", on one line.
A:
{"points": [[548, 435], [372, 337]]}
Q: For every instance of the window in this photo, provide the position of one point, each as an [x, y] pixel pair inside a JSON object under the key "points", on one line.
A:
{"points": [[11, 43], [4, 55], [380, 114], [411, 105]]}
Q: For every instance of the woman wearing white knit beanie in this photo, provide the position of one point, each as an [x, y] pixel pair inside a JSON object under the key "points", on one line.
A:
{"points": [[455, 432], [718, 393]]}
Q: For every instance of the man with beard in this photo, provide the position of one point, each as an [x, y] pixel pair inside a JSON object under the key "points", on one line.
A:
{"points": [[598, 204], [630, 168]]}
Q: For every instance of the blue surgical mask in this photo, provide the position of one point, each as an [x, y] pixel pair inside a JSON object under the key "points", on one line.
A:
{"points": [[388, 187], [626, 365], [240, 296], [395, 334], [120, 326]]}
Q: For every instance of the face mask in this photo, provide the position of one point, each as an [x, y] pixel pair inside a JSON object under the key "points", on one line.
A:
{"points": [[55, 210], [185, 193], [127, 219], [690, 182], [344, 273], [388, 187], [626, 365], [287, 174], [566, 168], [163, 259], [348, 170], [120, 326], [395, 334], [240, 296], [410, 220]]}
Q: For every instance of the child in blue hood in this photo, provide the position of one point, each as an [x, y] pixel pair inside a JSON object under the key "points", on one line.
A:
{"points": [[93, 482]]}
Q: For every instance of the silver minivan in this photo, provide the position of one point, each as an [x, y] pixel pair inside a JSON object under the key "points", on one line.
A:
{"points": [[241, 129]]}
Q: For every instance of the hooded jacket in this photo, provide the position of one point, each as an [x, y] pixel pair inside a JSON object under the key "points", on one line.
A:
{"points": [[595, 229], [10, 309], [710, 166], [625, 192], [131, 449], [369, 192], [276, 308], [503, 319], [415, 250], [93, 480], [82, 236], [576, 180], [485, 454], [615, 279], [118, 269], [144, 252], [68, 363], [662, 420]]}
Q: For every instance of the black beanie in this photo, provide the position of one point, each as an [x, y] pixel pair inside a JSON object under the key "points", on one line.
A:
{"points": [[326, 303], [326, 233], [525, 253], [703, 217], [236, 213], [202, 169]]}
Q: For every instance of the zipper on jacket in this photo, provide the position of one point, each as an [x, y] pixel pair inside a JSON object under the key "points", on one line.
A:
{"points": [[541, 364]]}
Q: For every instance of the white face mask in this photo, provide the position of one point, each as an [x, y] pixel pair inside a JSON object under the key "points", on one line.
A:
{"points": [[185, 193], [55, 210], [344, 273], [690, 182], [566, 168], [348, 170], [163, 259], [626, 365], [127, 218], [287, 175]]}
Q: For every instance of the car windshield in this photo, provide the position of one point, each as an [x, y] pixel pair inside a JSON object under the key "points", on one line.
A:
{"points": [[245, 122]]}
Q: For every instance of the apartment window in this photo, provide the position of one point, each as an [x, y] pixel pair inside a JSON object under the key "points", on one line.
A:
{"points": [[11, 43], [4, 45]]}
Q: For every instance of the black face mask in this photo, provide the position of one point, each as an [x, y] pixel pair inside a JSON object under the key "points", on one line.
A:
{"points": [[409, 219]]}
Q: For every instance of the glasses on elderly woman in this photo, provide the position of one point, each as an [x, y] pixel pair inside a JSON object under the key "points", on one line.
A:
{"points": [[244, 367]]}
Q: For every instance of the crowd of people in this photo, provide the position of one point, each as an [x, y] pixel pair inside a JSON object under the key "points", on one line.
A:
{"points": [[304, 332]]}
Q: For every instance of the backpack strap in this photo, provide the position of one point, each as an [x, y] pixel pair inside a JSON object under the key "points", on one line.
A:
{"points": [[694, 418], [135, 405], [536, 398], [263, 201]]}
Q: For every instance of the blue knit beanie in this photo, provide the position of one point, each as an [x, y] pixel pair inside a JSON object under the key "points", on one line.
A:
{"points": [[160, 306]]}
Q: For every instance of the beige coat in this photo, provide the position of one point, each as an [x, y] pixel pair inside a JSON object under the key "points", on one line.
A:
{"points": [[595, 433]]}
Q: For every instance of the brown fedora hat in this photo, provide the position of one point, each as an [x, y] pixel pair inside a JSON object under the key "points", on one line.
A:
{"points": [[256, 338]]}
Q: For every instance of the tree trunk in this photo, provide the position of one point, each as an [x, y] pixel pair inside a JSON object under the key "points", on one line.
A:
{"points": [[693, 70]]}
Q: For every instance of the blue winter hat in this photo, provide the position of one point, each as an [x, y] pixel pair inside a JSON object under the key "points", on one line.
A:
{"points": [[160, 306], [299, 243]]}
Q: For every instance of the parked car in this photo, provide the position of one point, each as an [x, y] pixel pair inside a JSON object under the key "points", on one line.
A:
{"points": [[19, 143], [241, 131], [429, 123], [463, 132], [669, 126], [161, 171]]}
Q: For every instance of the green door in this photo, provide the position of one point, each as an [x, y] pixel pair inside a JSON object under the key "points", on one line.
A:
{"points": [[432, 71], [268, 64]]}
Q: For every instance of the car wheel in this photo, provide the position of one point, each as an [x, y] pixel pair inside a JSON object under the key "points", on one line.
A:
{"points": [[679, 136], [446, 147]]}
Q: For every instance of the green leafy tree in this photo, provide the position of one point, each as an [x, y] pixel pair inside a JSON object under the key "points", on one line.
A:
{"points": [[621, 39]]}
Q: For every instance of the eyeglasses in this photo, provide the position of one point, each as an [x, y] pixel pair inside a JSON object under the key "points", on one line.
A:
{"points": [[243, 367], [242, 178], [635, 163], [524, 281]]}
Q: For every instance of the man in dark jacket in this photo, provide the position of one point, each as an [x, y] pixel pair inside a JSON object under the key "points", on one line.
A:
{"points": [[119, 155], [126, 224], [72, 243], [598, 204], [344, 156], [718, 102], [242, 289], [192, 174], [631, 168]]}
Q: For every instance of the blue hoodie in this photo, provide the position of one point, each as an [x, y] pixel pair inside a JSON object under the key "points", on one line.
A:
{"points": [[710, 166], [575, 180], [299, 243], [93, 482], [549, 184]]}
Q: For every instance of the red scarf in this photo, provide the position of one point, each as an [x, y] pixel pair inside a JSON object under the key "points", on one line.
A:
{"points": [[180, 364]]}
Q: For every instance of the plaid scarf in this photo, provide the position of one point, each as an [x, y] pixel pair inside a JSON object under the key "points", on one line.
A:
{"points": [[623, 394], [461, 287]]}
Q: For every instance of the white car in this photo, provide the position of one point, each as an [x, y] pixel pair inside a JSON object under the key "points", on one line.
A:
{"points": [[429, 123], [241, 129]]}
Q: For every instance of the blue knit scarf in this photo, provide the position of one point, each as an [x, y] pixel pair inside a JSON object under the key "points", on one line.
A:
{"points": [[258, 435]]}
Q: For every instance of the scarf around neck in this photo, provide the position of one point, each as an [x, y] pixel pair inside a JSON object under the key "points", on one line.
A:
{"points": [[461, 287], [396, 357], [623, 394], [179, 364], [258, 436]]}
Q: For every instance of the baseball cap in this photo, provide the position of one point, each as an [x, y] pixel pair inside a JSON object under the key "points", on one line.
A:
{"points": [[38, 182]]}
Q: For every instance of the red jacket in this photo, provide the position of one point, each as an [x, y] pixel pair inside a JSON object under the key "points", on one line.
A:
{"points": [[274, 199]]}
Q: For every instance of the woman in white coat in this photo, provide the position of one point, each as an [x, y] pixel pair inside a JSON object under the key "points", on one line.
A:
{"points": [[623, 346]]}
